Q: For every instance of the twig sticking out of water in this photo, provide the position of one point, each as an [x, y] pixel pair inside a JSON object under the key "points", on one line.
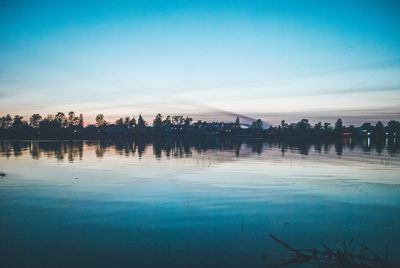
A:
{"points": [[328, 257]]}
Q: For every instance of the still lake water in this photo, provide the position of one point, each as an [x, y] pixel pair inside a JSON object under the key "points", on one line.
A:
{"points": [[89, 204]]}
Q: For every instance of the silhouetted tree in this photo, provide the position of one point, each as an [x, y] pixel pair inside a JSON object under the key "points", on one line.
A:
{"points": [[126, 121], [17, 123], [132, 122], [100, 121], [7, 122], [327, 127], [258, 124], [61, 119], [80, 121], [318, 126], [284, 125], [157, 122], [303, 124], [167, 122], [379, 129], [394, 127], [49, 127], [72, 119], [35, 120], [338, 127], [188, 121], [2, 120], [178, 119], [119, 122], [141, 123], [237, 123]]}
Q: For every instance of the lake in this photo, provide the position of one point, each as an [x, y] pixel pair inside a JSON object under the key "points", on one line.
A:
{"points": [[177, 204]]}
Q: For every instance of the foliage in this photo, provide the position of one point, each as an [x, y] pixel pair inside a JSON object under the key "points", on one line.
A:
{"points": [[59, 126]]}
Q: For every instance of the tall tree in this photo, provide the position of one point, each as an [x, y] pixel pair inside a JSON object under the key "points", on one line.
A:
{"points": [[17, 123], [72, 119], [2, 121], [7, 121], [283, 124], [141, 123], [61, 119], [188, 121], [132, 122], [338, 127], [303, 124], [35, 120], [178, 119], [157, 122], [100, 121], [167, 122], [379, 129], [126, 121], [394, 127], [237, 122], [80, 120]]}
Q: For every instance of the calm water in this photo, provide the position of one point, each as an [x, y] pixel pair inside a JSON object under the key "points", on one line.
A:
{"points": [[205, 205]]}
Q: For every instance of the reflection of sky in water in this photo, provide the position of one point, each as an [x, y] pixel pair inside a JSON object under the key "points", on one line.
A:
{"points": [[188, 209]]}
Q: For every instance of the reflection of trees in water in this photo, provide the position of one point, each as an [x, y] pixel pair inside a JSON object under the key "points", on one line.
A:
{"points": [[338, 147], [73, 150], [393, 146], [304, 148], [366, 145], [100, 150], [293, 147], [34, 149], [379, 146], [6, 149], [318, 148], [327, 147], [58, 150], [256, 147]]}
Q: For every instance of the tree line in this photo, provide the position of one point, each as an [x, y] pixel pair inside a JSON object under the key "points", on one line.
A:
{"points": [[71, 126]]}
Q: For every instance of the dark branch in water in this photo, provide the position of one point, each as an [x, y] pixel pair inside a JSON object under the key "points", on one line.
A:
{"points": [[328, 257], [298, 253]]}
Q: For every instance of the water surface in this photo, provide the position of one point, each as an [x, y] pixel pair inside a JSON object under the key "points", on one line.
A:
{"points": [[81, 204]]}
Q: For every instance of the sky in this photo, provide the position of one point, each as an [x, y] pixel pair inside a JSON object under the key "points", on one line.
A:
{"points": [[210, 60]]}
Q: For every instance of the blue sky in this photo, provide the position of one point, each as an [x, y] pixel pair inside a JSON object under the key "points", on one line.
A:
{"points": [[208, 59]]}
